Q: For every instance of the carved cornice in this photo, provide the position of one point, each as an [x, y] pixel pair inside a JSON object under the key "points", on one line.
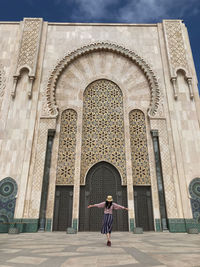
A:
{"points": [[51, 109]]}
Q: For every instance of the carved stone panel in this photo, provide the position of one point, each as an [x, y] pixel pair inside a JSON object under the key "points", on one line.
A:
{"points": [[177, 55], [103, 127], [139, 151], [29, 44], [176, 49], [67, 145]]}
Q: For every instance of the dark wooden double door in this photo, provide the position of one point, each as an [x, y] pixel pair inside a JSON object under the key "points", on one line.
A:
{"points": [[63, 208], [143, 207], [102, 179]]}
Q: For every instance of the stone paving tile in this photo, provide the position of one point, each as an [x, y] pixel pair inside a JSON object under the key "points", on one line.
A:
{"points": [[28, 260], [89, 249]]}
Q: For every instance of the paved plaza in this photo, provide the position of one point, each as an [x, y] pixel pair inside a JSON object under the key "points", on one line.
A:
{"points": [[59, 249]]}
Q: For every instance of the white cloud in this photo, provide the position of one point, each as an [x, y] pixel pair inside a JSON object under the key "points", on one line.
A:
{"points": [[132, 10], [92, 9]]}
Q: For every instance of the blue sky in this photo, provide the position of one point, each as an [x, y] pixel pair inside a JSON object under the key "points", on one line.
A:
{"points": [[119, 11]]}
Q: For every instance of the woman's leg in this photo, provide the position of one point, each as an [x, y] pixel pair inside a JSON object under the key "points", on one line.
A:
{"points": [[108, 236]]}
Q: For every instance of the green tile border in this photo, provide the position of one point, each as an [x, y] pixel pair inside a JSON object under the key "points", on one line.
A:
{"points": [[4, 227], [48, 225], [27, 225], [132, 225], [181, 225], [158, 227]]}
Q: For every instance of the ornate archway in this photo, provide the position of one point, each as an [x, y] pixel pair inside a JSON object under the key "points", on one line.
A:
{"points": [[50, 108]]}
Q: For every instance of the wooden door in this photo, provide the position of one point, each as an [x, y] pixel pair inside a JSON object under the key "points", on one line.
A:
{"points": [[143, 207], [103, 179], [63, 208]]}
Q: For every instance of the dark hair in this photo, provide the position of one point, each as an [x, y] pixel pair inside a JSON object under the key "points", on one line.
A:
{"points": [[108, 204]]}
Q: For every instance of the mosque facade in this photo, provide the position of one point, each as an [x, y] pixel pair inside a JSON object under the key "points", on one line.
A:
{"points": [[90, 110]]}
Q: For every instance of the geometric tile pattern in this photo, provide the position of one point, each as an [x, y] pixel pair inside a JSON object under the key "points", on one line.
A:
{"points": [[8, 192], [176, 44], [67, 147], [103, 127], [194, 189], [29, 45], [176, 49], [139, 151]]}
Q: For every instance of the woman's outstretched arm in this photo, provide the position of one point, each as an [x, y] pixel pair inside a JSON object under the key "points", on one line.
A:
{"points": [[119, 207], [99, 205], [91, 206]]}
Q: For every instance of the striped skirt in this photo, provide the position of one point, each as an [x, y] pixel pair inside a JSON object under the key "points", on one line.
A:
{"points": [[107, 224]]}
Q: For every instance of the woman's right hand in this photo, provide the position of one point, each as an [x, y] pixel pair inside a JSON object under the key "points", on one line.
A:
{"points": [[89, 206]]}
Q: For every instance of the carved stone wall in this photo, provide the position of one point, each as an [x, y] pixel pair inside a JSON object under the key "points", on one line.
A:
{"points": [[67, 146], [139, 150], [103, 127]]}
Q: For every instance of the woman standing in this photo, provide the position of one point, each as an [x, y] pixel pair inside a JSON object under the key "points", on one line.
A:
{"points": [[108, 206]]}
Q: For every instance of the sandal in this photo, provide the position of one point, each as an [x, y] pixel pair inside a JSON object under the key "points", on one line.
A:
{"points": [[109, 243]]}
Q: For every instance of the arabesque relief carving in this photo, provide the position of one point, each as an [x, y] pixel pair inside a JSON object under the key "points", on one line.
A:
{"points": [[67, 147], [28, 51], [177, 54], [139, 150]]}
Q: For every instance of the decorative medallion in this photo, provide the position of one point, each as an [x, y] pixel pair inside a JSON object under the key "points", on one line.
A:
{"points": [[103, 127], [139, 151], [8, 192], [67, 147], [194, 189]]}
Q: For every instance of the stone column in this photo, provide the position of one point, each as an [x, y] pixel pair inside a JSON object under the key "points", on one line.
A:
{"points": [[76, 193], [161, 193], [130, 193], [45, 185]]}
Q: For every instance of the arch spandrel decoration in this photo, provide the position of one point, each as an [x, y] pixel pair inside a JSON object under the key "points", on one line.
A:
{"points": [[67, 147], [139, 151], [103, 127], [50, 106]]}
